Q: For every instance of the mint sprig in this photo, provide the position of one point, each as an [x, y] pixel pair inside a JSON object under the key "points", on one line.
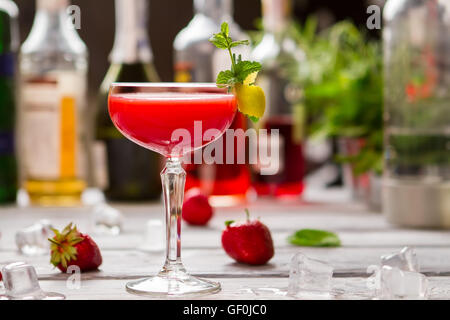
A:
{"points": [[314, 238], [240, 69]]}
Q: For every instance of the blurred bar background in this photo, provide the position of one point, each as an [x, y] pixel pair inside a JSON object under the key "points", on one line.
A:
{"points": [[168, 17], [290, 28], [338, 96]]}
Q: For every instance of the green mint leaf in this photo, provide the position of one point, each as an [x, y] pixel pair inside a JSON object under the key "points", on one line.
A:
{"points": [[253, 119], [314, 238], [224, 29], [240, 69], [219, 41], [239, 43], [226, 77], [244, 68]]}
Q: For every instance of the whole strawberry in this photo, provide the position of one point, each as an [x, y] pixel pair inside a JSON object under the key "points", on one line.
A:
{"points": [[196, 208], [248, 242], [70, 247]]}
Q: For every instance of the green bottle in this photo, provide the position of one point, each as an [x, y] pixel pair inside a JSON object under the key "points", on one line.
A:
{"points": [[8, 48]]}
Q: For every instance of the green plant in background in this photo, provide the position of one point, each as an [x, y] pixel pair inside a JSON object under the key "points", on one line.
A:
{"points": [[342, 84]]}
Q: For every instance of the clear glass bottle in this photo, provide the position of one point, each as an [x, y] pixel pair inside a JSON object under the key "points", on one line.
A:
{"points": [[417, 112], [9, 42], [124, 170], [197, 60], [285, 110], [53, 71]]}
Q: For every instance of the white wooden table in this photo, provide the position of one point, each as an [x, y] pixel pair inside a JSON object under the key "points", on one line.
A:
{"points": [[365, 236]]}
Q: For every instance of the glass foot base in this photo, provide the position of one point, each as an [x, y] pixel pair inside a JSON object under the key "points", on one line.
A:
{"points": [[166, 285]]}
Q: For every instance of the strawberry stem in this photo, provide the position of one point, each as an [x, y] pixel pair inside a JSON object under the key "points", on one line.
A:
{"points": [[229, 222], [63, 245], [247, 214], [54, 241]]}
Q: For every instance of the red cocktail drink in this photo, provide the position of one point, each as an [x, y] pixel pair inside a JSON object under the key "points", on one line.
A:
{"points": [[157, 121]]}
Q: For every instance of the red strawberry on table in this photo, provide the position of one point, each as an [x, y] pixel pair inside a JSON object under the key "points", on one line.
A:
{"points": [[248, 242], [72, 248], [196, 208]]}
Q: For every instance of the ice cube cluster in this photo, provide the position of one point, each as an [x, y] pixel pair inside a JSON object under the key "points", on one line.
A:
{"points": [[400, 277], [397, 277]]}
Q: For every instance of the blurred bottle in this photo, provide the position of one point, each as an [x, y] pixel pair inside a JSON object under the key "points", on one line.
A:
{"points": [[8, 47], [124, 170], [417, 114], [53, 69], [285, 111], [197, 60]]}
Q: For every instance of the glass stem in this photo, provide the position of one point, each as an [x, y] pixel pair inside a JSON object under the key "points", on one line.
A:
{"points": [[173, 178]]}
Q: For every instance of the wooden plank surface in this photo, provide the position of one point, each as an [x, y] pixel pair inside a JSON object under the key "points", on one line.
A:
{"points": [[354, 288], [365, 237]]}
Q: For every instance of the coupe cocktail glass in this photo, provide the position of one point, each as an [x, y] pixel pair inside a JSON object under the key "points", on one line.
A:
{"points": [[172, 119]]}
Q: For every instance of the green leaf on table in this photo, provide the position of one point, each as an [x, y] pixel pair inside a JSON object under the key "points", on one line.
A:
{"points": [[314, 238]]}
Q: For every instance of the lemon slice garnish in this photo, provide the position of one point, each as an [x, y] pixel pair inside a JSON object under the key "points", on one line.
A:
{"points": [[250, 98], [251, 79]]}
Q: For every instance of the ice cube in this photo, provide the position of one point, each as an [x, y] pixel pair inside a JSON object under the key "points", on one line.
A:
{"points": [[405, 260], [399, 284], [154, 237], [107, 220], [33, 240], [21, 283], [309, 276]]}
